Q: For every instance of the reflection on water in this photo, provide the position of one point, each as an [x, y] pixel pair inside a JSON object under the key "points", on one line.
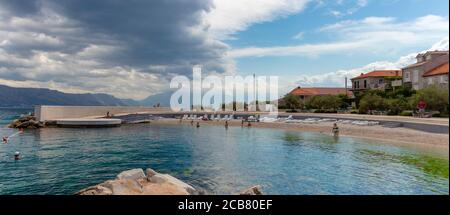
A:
{"points": [[62, 161]]}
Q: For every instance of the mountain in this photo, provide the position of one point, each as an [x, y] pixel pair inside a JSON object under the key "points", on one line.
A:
{"points": [[162, 98], [28, 97]]}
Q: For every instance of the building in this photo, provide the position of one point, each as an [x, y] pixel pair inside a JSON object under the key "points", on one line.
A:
{"points": [[420, 74], [307, 93], [378, 79], [437, 76]]}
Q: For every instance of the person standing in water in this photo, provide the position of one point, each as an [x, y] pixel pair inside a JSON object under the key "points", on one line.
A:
{"points": [[192, 122], [198, 124], [226, 124], [335, 130]]}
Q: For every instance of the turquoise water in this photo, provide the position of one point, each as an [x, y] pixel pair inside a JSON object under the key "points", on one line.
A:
{"points": [[63, 161]]}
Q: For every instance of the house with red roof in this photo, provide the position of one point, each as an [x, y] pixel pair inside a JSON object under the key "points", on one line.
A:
{"points": [[378, 79], [437, 76], [431, 68], [306, 93]]}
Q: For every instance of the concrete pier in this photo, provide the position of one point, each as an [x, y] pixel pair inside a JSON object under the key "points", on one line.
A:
{"points": [[49, 113], [88, 123]]}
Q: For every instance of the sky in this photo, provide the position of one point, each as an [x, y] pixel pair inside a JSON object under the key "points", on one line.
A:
{"points": [[132, 49]]}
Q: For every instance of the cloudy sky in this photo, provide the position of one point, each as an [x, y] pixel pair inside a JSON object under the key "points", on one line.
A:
{"points": [[131, 49]]}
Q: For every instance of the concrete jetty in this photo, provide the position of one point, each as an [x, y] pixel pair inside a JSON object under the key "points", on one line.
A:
{"points": [[88, 123]]}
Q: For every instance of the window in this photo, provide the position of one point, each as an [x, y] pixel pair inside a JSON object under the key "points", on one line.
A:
{"points": [[356, 84], [365, 84], [430, 80], [444, 79], [415, 75], [380, 81]]}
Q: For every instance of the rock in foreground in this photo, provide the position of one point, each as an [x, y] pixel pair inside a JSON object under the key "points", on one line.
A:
{"points": [[255, 190], [136, 182]]}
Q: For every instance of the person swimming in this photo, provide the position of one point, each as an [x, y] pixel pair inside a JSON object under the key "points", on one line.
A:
{"points": [[335, 130], [17, 156], [5, 139]]}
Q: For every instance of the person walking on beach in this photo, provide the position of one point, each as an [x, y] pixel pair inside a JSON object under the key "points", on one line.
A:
{"points": [[242, 123], [335, 130]]}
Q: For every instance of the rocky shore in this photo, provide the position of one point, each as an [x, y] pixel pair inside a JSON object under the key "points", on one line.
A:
{"points": [[136, 182], [28, 121]]}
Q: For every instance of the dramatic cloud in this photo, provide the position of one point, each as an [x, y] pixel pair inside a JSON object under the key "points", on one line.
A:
{"points": [[129, 49], [372, 34]]}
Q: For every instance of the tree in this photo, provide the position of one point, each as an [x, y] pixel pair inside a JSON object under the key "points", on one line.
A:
{"points": [[396, 106], [328, 102], [292, 101], [435, 97], [371, 102]]}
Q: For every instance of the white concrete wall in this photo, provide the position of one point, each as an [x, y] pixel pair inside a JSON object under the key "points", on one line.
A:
{"points": [[44, 113]]}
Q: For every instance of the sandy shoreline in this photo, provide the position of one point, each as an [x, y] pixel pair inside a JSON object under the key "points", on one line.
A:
{"points": [[396, 136]]}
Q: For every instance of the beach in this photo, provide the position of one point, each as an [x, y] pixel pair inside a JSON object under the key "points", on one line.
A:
{"points": [[397, 136]]}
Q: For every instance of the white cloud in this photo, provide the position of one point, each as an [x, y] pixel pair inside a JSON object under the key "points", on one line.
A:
{"points": [[229, 17], [337, 78], [299, 36], [372, 34], [356, 6]]}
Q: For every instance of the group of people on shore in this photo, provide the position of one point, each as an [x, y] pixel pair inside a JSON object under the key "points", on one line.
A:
{"points": [[334, 130]]}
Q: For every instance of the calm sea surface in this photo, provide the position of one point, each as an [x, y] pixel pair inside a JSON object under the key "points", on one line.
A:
{"points": [[63, 161]]}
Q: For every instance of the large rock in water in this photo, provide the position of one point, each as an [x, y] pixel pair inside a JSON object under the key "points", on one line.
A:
{"points": [[134, 174], [135, 182], [26, 122]]}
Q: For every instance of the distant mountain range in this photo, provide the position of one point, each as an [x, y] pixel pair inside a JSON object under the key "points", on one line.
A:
{"points": [[28, 97]]}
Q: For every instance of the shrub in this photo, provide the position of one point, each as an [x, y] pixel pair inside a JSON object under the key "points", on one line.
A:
{"points": [[396, 106], [371, 102], [328, 102], [436, 99], [406, 113], [292, 102]]}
